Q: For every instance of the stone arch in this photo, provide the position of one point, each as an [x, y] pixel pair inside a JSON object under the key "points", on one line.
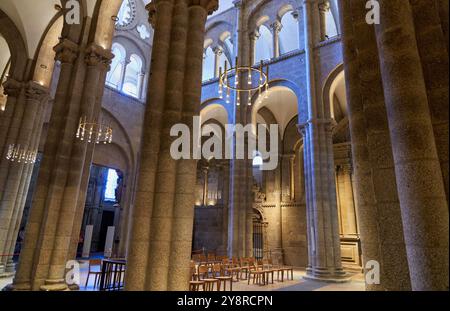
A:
{"points": [[214, 109], [274, 84], [104, 29], [126, 141], [16, 44], [44, 60], [328, 86]]}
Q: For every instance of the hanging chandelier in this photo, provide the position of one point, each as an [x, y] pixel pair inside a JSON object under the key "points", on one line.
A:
{"points": [[94, 132], [255, 80], [21, 155]]}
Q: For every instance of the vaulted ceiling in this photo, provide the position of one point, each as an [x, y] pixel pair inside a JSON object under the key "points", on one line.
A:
{"points": [[32, 17]]}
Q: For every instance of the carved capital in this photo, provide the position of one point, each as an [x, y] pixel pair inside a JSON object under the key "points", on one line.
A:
{"points": [[66, 51], [276, 26], [324, 7], [151, 8], [218, 50], [209, 5], [98, 56], [254, 35], [12, 87], [35, 92]]}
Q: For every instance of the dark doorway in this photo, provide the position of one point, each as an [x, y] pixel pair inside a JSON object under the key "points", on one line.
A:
{"points": [[107, 221], [258, 236]]}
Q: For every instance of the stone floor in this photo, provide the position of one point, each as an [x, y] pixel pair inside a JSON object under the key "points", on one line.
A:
{"points": [[298, 284]]}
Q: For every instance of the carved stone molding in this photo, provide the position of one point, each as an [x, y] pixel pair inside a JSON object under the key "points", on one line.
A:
{"points": [[209, 5], [98, 56], [66, 51], [276, 27], [12, 87], [36, 92]]}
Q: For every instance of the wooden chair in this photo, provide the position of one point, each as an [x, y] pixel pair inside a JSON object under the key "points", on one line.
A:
{"points": [[93, 264], [219, 274], [195, 284], [203, 273]]}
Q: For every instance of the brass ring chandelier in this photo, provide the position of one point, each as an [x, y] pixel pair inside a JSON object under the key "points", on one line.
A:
{"points": [[226, 86], [21, 155], [94, 132]]}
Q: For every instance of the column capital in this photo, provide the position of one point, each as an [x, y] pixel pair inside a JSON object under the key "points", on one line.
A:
{"points": [[209, 5], [98, 56], [276, 26], [66, 51], [324, 6], [12, 87], [35, 91], [254, 35], [218, 50]]}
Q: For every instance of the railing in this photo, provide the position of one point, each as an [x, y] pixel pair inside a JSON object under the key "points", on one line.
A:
{"points": [[113, 274]]}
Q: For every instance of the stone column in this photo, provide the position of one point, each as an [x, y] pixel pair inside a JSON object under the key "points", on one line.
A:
{"points": [[140, 84], [25, 179], [254, 36], [12, 88], [433, 52], [123, 73], [183, 209], [138, 252], [322, 219], [218, 51], [276, 28], [419, 180], [17, 172], [444, 13], [324, 7], [97, 60], [394, 272]]}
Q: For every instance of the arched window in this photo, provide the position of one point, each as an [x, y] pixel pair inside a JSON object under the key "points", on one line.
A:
{"points": [[208, 64], [229, 45], [133, 76], [111, 185], [289, 36], [114, 76], [331, 25], [264, 45], [257, 165]]}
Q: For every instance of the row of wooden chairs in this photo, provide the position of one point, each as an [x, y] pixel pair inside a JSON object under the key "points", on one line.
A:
{"points": [[207, 276]]}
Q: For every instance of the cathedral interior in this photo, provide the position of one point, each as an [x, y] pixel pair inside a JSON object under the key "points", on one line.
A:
{"points": [[351, 100]]}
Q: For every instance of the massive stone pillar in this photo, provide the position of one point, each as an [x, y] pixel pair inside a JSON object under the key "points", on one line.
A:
{"points": [[41, 96], [418, 171], [322, 218], [160, 248], [97, 61], [379, 207], [433, 52], [48, 233], [15, 174]]}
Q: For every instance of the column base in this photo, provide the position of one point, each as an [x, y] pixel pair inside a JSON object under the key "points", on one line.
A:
{"points": [[18, 287], [10, 267], [327, 275], [55, 286], [7, 274]]}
